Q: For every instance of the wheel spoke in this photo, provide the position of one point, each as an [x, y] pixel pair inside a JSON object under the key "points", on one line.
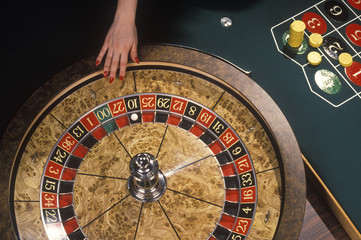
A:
{"points": [[105, 211], [168, 219], [175, 191], [187, 165], [161, 143], [123, 145], [140, 214], [29, 201], [102, 176]]}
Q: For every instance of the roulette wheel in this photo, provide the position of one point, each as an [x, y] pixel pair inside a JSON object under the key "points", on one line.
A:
{"points": [[186, 147]]}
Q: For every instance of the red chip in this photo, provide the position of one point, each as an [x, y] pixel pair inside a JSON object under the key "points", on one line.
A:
{"points": [[353, 32], [314, 23], [353, 72]]}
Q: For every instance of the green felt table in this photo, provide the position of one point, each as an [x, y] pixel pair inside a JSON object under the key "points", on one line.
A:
{"points": [[327, 126]]}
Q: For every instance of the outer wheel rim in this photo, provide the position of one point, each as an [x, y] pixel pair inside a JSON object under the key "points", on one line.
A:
{"points": [[277, 123]]}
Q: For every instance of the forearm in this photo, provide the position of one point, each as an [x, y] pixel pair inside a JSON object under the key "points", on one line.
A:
{"points": [[126, 8]]}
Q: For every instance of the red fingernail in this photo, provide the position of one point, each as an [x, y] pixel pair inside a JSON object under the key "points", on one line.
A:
{"points": [[121, 78], [136, 60], [97, 63], [111, 79], [105, 74]]}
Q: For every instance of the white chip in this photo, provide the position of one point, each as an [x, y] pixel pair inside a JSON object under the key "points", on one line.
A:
{"points": [[134, 117]]}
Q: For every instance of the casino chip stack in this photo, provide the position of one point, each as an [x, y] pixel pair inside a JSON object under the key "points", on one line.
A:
{"points": [[297, 29]]}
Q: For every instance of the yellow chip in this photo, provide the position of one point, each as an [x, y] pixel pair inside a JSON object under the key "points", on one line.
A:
{"points": [[298, 26], [315, 40], [345, 59], [297, 29], [314, 58]]}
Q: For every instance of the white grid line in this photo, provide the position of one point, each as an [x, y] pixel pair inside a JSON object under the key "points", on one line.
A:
{"points": [[347, 42], [335, 29], [323, 98], [347, 5]]}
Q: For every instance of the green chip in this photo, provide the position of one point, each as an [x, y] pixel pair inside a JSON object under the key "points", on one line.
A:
{"points": [[327, 81], [300, 50]]}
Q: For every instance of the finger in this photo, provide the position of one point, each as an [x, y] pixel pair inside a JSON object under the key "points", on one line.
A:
{"points": [[107, 64], [101, 54], [134, 53], [123, 65], [108, 60], [114, 66]]}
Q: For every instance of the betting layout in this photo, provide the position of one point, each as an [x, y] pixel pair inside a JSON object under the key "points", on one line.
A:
{"points": [[57, 185], [335, 79]]}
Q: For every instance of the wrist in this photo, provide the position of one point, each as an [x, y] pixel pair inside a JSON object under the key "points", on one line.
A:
{"points": [[126, 9]]}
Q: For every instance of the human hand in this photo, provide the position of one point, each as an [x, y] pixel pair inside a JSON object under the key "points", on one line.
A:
{"points": [[121, 41]]}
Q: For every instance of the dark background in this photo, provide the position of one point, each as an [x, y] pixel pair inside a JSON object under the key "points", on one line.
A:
{"points": [[40, 39]]}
